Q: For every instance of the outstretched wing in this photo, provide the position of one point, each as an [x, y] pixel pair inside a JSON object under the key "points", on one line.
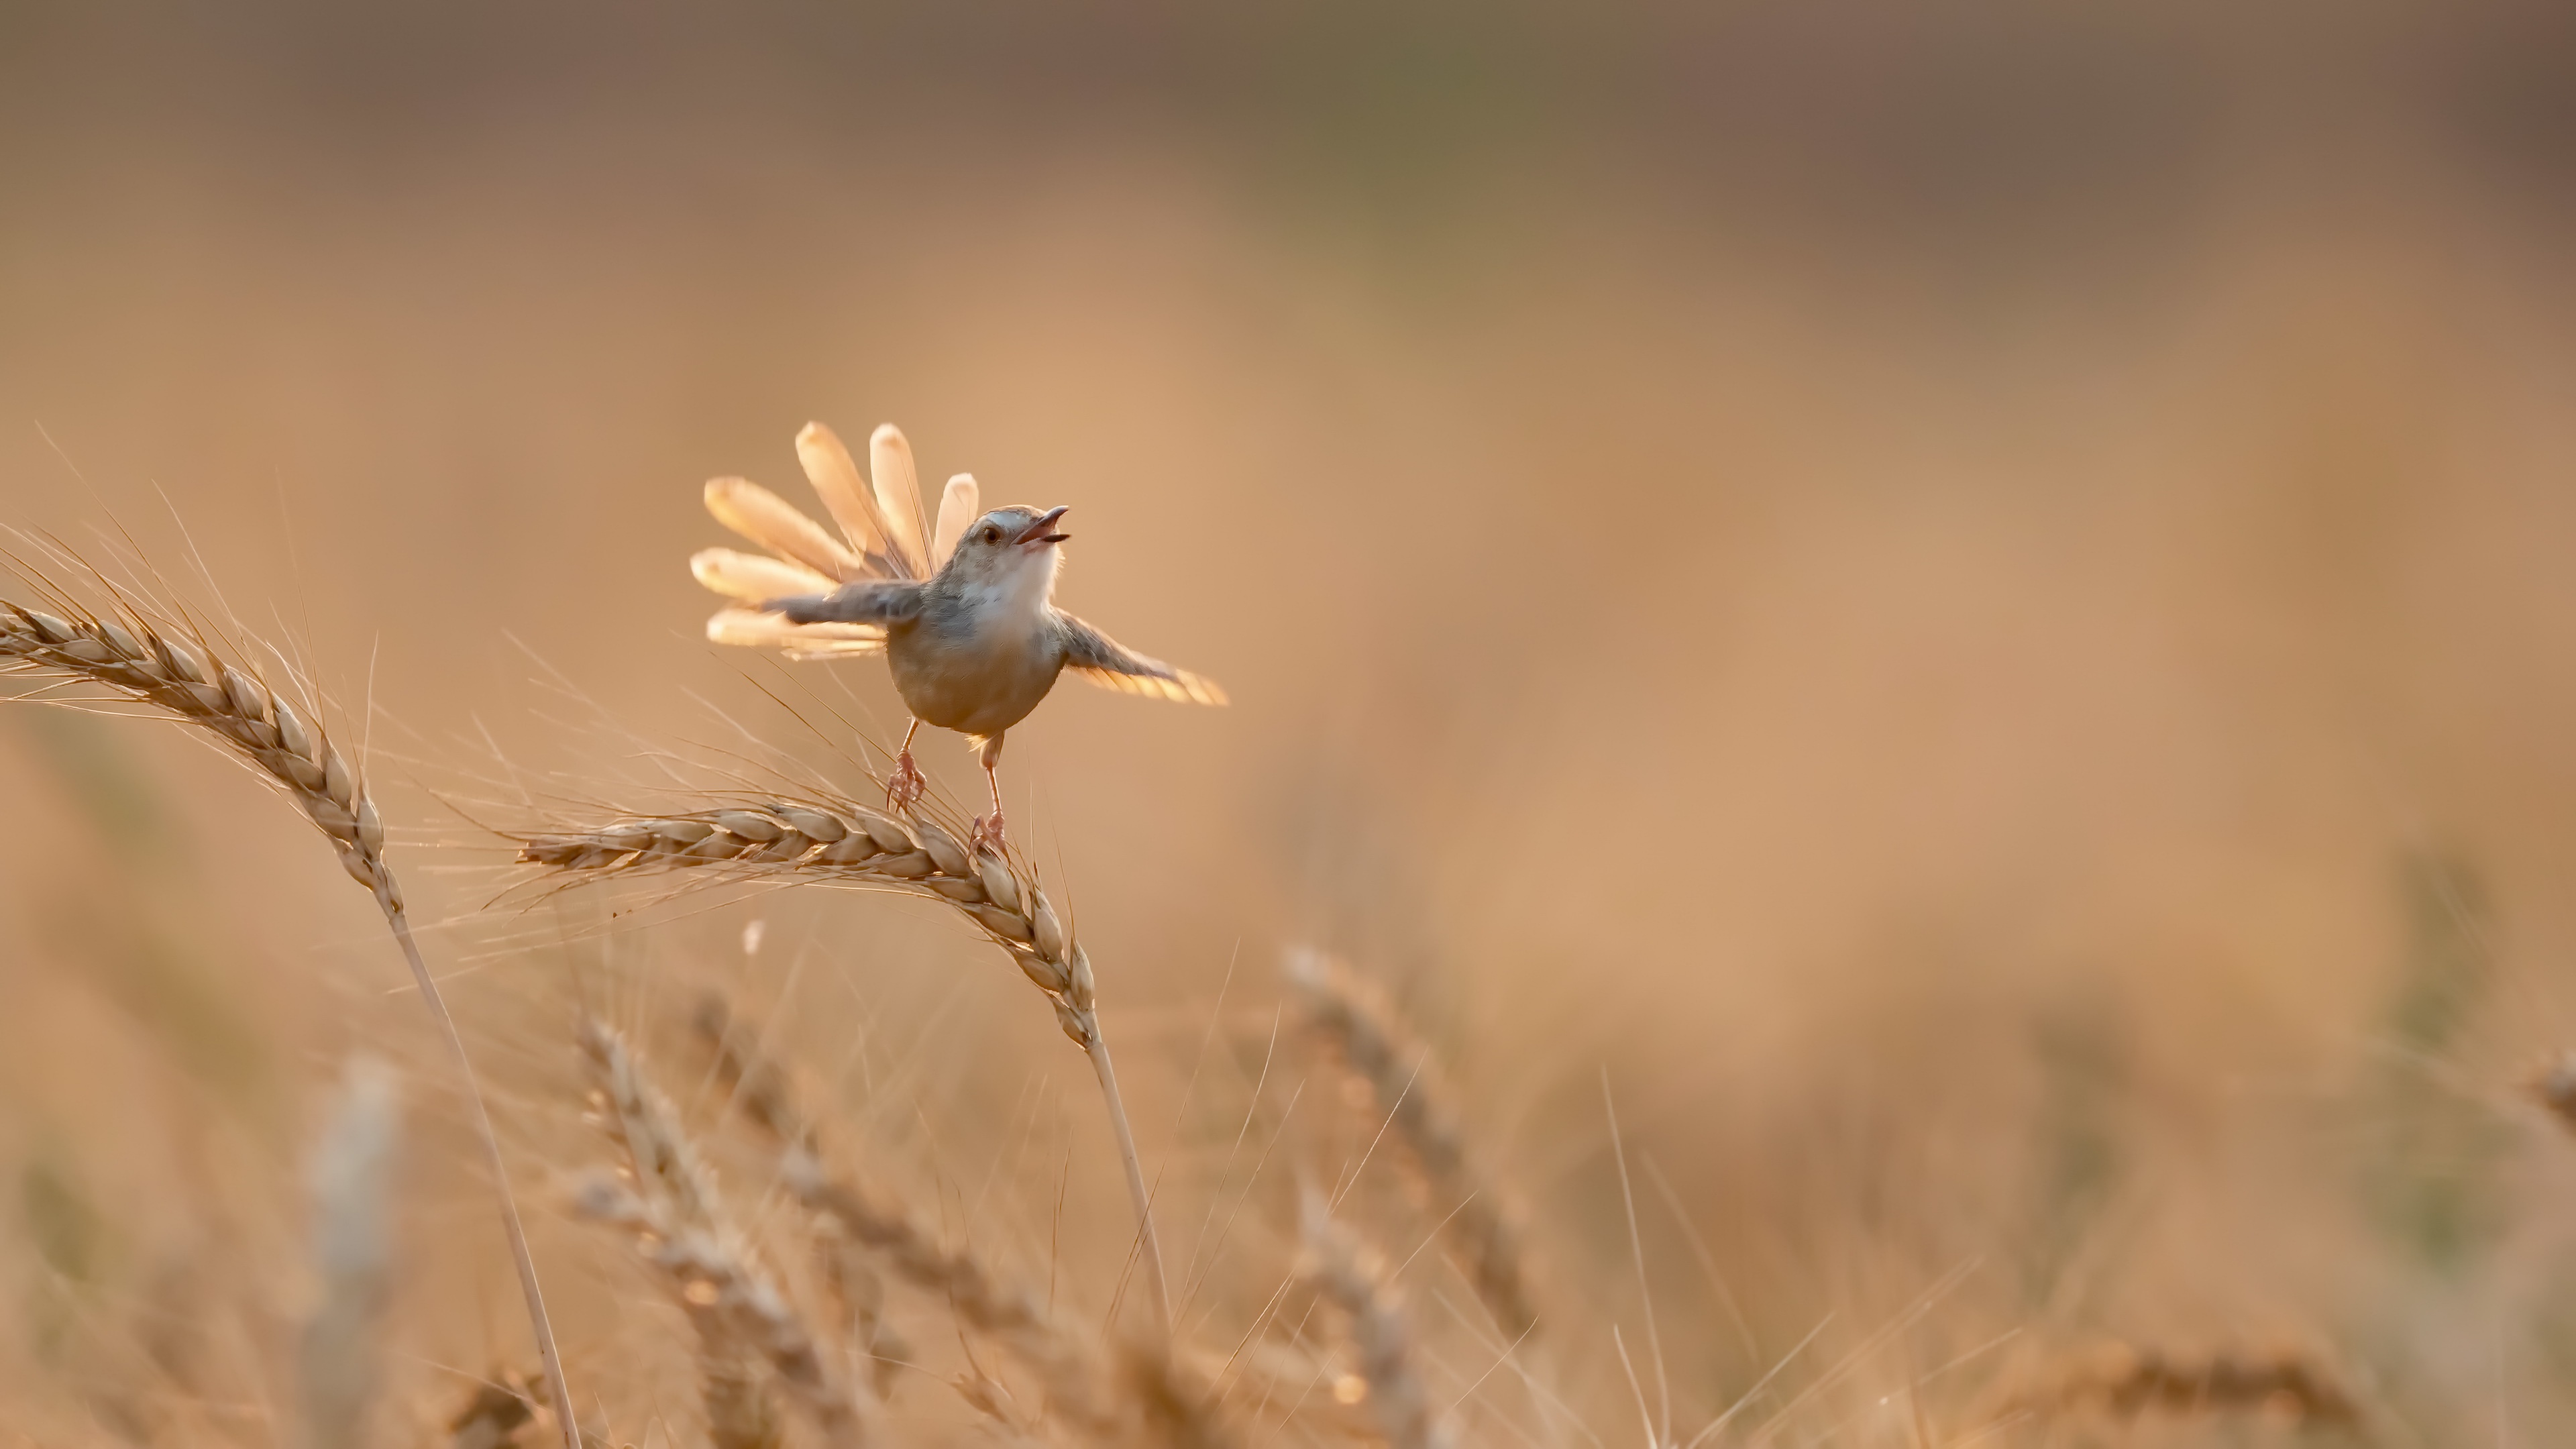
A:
{"points": [[1111, 665], [755, 630], [862, 601]]}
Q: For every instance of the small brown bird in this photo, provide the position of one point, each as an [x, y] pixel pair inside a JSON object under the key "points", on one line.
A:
{"points": [[965, 617]]}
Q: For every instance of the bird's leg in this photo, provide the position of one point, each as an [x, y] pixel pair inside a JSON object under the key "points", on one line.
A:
{"points": [[987, 833], [905, 786]]}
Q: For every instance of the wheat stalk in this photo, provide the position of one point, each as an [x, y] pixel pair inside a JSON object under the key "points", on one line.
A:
{"points": [[683, 1230], [1354, 1018], [350, 1170], [145, 659], [838, 840], [1353, 1279]]}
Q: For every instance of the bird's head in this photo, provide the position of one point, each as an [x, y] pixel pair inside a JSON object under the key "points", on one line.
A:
{"points": [[1010, 551]]}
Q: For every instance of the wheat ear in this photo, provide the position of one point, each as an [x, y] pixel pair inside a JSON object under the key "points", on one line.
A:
{"points": [[1353, 1279], [683, 1230], [764, 1091], [2125, 1381], [1355, 1020], [190, 679], [980, 1295], [836, 840], [350, 1170]]}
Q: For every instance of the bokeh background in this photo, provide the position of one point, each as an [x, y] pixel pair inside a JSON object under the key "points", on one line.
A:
{"points": [[1976, 601]]}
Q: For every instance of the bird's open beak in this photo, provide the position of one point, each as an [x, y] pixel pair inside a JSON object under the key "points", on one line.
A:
{"points": [[1041, 529]]}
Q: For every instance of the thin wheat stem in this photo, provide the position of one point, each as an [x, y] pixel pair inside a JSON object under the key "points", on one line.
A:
{"points": [[1151, 1246], [557, 1389]]}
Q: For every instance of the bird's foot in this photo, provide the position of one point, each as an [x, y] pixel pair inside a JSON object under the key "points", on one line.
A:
{"points": [[986, 834], [905, 787]]}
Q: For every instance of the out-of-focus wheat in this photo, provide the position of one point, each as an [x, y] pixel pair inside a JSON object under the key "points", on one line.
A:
{"points": [[1352, 1277], [839, 840], [742, 1320], [1353, 1018], [1177, 1406], [981, 1295], [353, 1252], [2555, 1088], [146, 655], [2125, 1381], [761, 1088], [492, 1415]]}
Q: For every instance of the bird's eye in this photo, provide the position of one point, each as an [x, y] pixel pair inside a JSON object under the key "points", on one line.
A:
{"points": [[992, 534]]}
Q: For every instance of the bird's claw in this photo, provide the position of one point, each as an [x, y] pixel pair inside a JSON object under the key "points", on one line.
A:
{"points": [[905, 787], [986, 834]]}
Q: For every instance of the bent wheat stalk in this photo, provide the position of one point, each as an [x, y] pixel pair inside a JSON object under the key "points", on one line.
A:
{"points": [[142, 658], [836, 840]]}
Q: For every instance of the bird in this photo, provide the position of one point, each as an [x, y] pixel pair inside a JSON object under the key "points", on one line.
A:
{"points": [[964, 613]]}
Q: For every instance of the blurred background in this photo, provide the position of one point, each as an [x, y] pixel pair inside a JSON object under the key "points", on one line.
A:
{"points": [[1974, 600]]}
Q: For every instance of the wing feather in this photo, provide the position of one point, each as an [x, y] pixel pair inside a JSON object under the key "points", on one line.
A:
{"points": [[754, 577], [1104, 661], [898, 490], [767, 519], [959, 507], [836, 480]]}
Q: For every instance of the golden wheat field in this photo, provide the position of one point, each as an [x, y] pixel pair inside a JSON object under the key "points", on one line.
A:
{"points": [[1900, 771]]}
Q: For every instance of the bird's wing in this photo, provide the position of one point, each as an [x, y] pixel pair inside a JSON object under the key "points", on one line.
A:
{"points": [[1111, 665], [755, 630], [866, 601]]}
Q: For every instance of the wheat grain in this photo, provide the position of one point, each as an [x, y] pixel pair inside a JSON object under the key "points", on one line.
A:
{"points": [[684, 1231], [2555, 1088], [834, 840], [352, 1249], [1177, 1405], [145, 656], [1353, 1279], [1355, 1020], [492, 1416], [2125, 1381]]}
